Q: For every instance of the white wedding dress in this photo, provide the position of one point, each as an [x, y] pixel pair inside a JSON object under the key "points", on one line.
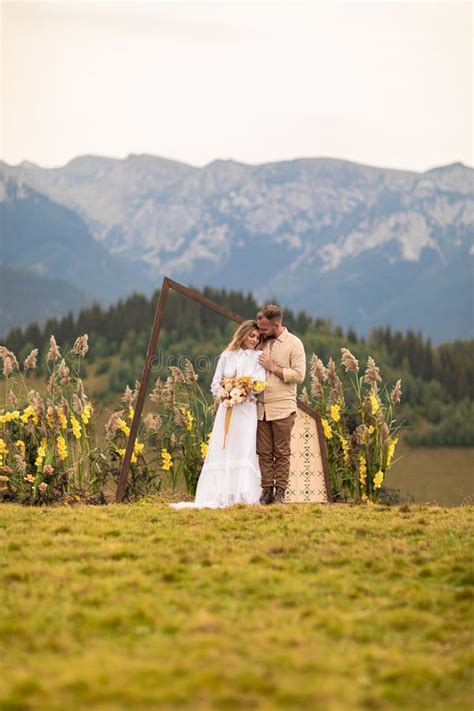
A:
{"points": [[231, 475]]}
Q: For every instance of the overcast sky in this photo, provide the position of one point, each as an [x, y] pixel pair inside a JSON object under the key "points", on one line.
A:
{"points": [[387, 84]]}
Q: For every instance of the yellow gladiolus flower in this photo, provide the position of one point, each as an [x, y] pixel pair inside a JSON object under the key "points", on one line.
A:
{"points": [[62, 447], [122, 425], [189, 417], [50, 415], [362, 469], [40, 454], [86, 413], [371, 429], [3, 447], [189, 421], [9, 416], [391, 450], [20, 445], [28, 412], [336, 412], [374, 403], [345, 447], [138, 446], [378, 479], [131, 412], [166, 459], [76, 427], [204, 449], [326, 428]]}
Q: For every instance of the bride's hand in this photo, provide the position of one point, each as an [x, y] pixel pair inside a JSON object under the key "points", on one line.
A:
{"points": [[221, 394]]}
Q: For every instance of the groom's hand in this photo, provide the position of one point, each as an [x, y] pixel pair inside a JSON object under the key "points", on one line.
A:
{"points": [[266, 360]]}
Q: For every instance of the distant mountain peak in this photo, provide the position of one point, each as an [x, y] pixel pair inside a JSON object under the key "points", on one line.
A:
{"points": [[344, 240]]}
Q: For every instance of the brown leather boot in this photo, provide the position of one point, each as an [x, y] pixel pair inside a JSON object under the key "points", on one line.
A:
{"points": [[267, 495], [279, 497]]}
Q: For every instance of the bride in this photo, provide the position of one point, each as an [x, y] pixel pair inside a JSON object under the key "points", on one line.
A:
{"points": [[231, 475]]}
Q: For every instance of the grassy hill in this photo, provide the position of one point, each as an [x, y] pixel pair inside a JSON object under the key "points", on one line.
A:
{"points": [[302, 607]]}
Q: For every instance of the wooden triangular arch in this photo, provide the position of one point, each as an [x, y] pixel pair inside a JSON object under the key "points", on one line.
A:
{"points": [[309, 475]]}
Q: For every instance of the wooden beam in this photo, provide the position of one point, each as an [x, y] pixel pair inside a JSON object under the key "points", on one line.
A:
{"points": [[151, 351]]}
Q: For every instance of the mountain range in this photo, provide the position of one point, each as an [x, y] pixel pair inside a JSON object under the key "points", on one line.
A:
{"points": [[361, 245]]}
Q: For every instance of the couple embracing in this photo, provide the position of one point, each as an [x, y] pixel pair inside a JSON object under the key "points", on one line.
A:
{"points": [[248, 458]]}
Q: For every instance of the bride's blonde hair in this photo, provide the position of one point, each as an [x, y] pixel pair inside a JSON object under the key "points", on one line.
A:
{"points": [[243, 331]]}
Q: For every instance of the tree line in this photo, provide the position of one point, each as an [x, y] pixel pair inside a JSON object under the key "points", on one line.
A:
{"points": [[437, 381], [452, 364]]}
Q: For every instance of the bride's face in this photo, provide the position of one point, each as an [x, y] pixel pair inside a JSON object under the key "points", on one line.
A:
{"points": [[252, 339]]}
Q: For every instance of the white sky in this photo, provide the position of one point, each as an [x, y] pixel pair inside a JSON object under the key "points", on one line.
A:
{"points": [[387, 84]]}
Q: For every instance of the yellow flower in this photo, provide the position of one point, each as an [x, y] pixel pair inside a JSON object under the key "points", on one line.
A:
{"points": [[204, 449], [50, 415], [259, 385], [362, 469], [189, 417], [138, 446], [378, 479], [166, 460], [62, 447], [345, 446], [3, 447], [30, 478], [62, 419], [335, 412], [326, 428], [40, 454], [131, 413], [86, 413], [76, 427], [122, 425], [371, 429], [20, 445], [9, 416], [28, 412], [391, 450], [189, 421], [374, 403]]}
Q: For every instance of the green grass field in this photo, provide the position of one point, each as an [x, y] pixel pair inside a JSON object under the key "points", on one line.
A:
{"points": [[438, 475], [298, 607]]}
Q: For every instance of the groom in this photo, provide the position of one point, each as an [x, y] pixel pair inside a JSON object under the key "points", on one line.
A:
{"points": [[284, 359]]}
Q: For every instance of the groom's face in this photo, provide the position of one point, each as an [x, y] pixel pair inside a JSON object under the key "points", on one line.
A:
{"points": [[266, 328]]}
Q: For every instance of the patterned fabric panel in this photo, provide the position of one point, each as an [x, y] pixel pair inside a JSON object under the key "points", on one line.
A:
{"points": [[306, 482]]}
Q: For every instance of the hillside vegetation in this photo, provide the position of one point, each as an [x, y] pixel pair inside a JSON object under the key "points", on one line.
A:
{"points": [[437, 382]]}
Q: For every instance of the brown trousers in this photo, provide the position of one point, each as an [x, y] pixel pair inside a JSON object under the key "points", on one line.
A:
{"points": [[273, 449]]}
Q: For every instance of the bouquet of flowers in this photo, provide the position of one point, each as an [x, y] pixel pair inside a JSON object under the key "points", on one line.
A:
{"points": [[237, 389]]}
